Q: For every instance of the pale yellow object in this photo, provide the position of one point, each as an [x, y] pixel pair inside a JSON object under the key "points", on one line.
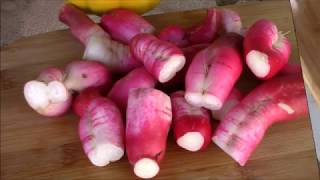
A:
{"points": [[99, 7]]}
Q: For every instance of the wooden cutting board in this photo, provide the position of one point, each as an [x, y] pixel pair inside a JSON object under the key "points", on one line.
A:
{"points": [[36, 147]]}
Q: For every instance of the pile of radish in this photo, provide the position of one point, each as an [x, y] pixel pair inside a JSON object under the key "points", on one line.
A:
{"points": [[181, 79]]}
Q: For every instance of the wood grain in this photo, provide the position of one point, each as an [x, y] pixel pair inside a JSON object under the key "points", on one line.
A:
{"points": [[36, 147], [307, 22]]}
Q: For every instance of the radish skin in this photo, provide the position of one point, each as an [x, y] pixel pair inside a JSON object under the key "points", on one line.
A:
{"points": [[99, 46], [177, 82], [124, 24], [137, 78], [101, 132], [48, 95], [276, 100], [213, 72], [231, 21], [291, 69], [148, 122], [83, 74], [191, 125], [174, 34], [82, 101], [266, 49], [162, 59], [232, 100], [206, 31]]}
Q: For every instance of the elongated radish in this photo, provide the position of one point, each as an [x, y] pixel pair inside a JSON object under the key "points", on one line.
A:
{"points": [[266, 49], [123, 24], [191, 125], [48, 95], [174, 34], [148, 121], [213, 72], [83, 74], [162, 59], [232, 100], [99, 45], [101, 132], [82, 101], [207, 30], [137, 78], [279, 99]]}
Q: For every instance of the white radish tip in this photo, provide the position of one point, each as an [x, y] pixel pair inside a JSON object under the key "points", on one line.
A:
{"points": [[57, 92], [35, 93], [208, 101], [258, 63], [146, 168], [236, 155], [191, 141], [173, 65], [103, 154]]}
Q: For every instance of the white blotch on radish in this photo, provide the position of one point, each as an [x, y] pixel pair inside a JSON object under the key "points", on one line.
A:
{"points": [[258, 63], [191, 141], [203, 100], [286, 107]]}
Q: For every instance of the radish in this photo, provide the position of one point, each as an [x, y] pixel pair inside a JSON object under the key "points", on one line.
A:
{"points": [[266, 49], [231, 21], [191, 125], [83, 74], [174, 34], [207, 30], [213, 72], [148, 122], [82, 101], [137, 78], [291, 69], [177, 82], [124, 24], [99, 45], [279, 99], [101, 132], [48, 95], [232, 100], [162, 59]]}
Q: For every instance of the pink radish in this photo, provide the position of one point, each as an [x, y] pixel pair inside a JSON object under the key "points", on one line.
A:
{"points": [[99, 45], [82, 101], [174, 34], [266, 49], [48, 95], [83, 74], [231, 21], [207, 30], [148, 122], [137, 78], [291, 69], [162, 59], [279, 99], [177, 82], [213, 73], [101, 132], [191, 125], [124, 24], [232, 100]]}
